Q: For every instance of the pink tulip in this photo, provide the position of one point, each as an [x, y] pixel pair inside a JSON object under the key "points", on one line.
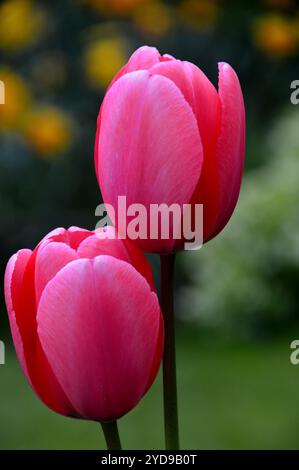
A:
{"points": [[165, 135], [86, 322]]}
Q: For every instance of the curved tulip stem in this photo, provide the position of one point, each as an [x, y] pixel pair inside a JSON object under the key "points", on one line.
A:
{"points": [[169, 364], [110, 430]]}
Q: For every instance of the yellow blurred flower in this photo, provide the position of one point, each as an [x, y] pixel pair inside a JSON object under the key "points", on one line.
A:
{"points": [[153, 18], [103, 58], [199, 14], [21, 24], [275, 35], [48, 130], [17, 99], [116, 7]]}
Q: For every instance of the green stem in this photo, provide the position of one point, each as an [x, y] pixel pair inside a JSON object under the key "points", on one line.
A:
{"points": [[169, 363], [110, 430]]}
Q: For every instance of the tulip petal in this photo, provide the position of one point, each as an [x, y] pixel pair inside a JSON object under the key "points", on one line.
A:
{"points": [[231, 143], [38, 370], [142, 59], [148, 135], [12, 281], [124, 250], [72, 236], [95, 245], [51, 257], [99, 325], [198, 92], [158, 355], [76, 235], [54, 233], [139, 261], [204, 101]]}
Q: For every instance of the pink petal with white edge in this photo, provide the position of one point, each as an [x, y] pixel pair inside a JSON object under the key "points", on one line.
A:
{"points": [[198, 92], [14, 275], [230, 149], [73, 236], [142, 59], [98, 323], [20, 294], [51, 257], [204, 101], [54, 233], [157, 155], [106, 242], [95, 245]]}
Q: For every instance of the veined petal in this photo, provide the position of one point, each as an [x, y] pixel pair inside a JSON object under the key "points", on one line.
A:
{"points": [[204, 101], [230, 149], [142, 59], [99, 325], [149, 135], [96, 245], [124, 250], [38, 370], [51, 257], [12, 283]]}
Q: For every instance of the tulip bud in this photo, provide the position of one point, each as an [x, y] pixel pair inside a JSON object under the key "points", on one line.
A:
{"points": [[86, 322], [166, 136]]}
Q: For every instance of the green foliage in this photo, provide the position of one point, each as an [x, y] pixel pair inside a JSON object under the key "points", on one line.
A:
{"points": [[230, 397], [246, 280]]}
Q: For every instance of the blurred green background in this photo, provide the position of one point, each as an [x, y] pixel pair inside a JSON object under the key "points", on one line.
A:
{"points": [[237, 298]]}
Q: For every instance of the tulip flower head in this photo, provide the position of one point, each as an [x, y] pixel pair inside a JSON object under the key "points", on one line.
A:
{"points": [[86, 322], [166, 136]]}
